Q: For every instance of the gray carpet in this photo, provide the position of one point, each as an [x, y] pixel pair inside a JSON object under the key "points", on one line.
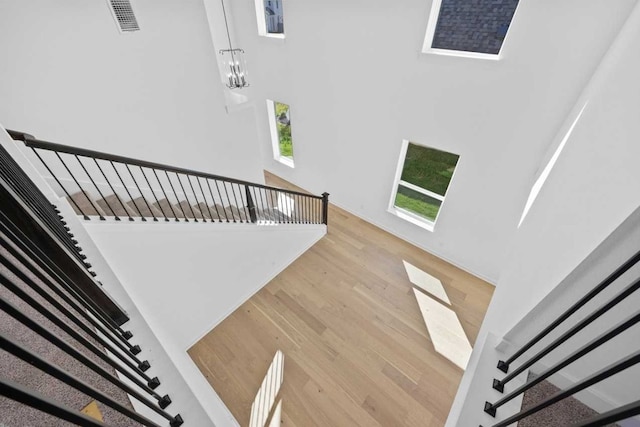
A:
{"points": [[13, 414], [562, 414]]}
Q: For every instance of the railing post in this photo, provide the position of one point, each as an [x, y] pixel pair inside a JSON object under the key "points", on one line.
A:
{"points": [[325, 208], [251, 206]]}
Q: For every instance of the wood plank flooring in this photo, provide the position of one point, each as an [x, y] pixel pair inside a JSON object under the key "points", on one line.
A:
{"points": [[357, 350]]}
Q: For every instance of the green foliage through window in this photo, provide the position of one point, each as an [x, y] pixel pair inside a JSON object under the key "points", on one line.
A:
{"points": [[417, 203], [428, 169], [283, 123]]}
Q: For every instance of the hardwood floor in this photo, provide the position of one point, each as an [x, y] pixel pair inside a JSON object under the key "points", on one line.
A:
{"points": [[356, 348]]}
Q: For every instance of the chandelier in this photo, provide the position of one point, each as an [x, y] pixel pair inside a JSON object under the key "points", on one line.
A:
{"points": [[234, 62]]}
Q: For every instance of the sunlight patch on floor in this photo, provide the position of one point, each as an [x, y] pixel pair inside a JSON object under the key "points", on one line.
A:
{"points": [[426, 282], [276, 419], [443, 325], [445, 330], [266, 396]]}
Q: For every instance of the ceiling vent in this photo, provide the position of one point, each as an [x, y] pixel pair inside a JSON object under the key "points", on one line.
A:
{"points": [[123, 13]]}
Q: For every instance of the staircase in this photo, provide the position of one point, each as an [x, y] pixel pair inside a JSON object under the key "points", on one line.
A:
{"points": [[67, 357], [101, 185], [138, 209]]}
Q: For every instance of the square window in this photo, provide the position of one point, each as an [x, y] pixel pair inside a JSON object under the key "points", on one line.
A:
{"points": [[270, 18], [280, 124], [471, 28], [423, 177]]}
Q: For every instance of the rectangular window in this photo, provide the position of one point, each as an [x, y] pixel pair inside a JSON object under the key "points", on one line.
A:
{"points": [[471, 28], [280, 123], [423, 178], [270, 18]]}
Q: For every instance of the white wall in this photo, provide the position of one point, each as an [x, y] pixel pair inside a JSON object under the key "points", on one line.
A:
{"points": [[593, 188], [358, 85], [584, 223], [185, 278], [69, 76], [184, 400]]}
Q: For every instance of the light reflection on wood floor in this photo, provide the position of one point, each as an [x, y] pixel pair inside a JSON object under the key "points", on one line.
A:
{"points": [[358, 352]]}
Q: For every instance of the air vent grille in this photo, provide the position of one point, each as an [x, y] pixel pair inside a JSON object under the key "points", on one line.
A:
{"points": [[123, 12]]}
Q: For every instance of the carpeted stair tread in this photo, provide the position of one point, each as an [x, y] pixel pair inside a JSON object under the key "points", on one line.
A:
{"points": [[85, 205], [217, 212], [188, 210], [238, 214], [111, 205], [13, 413], [170, 211], [204, 209], [225, 212], [139, 206], [564, 413]]}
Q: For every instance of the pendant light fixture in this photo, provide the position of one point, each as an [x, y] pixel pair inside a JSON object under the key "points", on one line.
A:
{"points": [[233, 60]]}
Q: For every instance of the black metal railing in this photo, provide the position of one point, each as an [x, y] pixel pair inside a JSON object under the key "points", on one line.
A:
{"points": [[39, 298], [48, 233], [550, 331], [20, 183], [105, 185]]}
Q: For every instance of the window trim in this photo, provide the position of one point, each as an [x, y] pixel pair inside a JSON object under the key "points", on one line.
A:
{"points": [[275, 137], [262, 21], [404, 214], [431, 30]]}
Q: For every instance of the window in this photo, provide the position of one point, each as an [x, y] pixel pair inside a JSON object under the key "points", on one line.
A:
{"points": [[270, 18], [280, 122], [422, 180], [472, 28]]}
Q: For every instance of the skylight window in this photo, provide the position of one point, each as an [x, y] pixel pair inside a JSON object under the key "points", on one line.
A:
{"points": [[471, 28]]}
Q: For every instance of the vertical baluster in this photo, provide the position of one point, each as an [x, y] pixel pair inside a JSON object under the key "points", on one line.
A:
{"points": [[269, 203], [213, 200], [205, 198], [256, 202], [177, 199], [274, 207], [99, 352], [84, 215], [77, 183], [73, 300], [89, 363], [128, 194], [95, 185], [18, 237], [245, 208], [21, 394], [165, 197], [224, 185], [235, 198], [251, 206], [221, 201], [305, 209], [195, 218], [195, 196], [265, 206], [114, 192], [142, 195]]}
